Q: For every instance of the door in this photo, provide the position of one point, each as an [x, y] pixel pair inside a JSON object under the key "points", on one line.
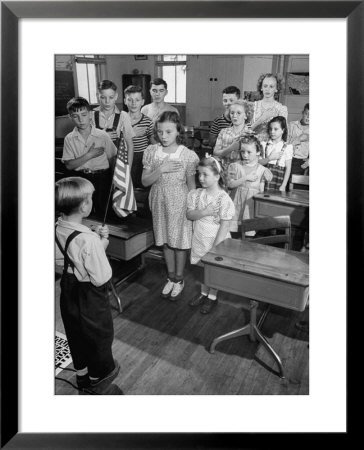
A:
{"points": [[142, 80]]}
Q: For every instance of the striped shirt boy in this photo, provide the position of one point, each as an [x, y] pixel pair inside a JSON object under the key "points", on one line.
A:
{"points": [[143, 132], [219, 124]]}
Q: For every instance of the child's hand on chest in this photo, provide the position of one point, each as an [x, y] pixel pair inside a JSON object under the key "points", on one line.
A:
{"points": [[252, 177]]}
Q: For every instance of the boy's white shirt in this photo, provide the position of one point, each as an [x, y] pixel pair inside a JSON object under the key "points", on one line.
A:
{"points": [[85, 251], [124, 123], [75, 146]]}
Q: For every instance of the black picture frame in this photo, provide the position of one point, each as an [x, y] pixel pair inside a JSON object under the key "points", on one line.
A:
{"points": [[11, 13]]}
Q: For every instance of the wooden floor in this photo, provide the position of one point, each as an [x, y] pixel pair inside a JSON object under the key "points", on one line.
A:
{"points": [[162, 347]]}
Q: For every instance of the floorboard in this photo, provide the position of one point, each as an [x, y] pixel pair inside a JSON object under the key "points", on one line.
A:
{"points": [[162, 346]]}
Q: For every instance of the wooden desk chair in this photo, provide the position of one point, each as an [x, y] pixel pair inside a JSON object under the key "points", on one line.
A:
{"points": [[202, 133], [189, 131], [299, 182], [189, 135], [205, 123], [268, 224]]}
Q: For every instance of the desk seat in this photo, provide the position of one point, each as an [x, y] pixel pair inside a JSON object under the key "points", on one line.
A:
{"points": [[128, 239]]}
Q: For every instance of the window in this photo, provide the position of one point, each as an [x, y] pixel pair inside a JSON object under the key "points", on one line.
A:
{"points": [[88, 72], [173, 71]]}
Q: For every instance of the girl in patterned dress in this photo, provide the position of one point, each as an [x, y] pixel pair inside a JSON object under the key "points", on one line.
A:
{"points": [[210, 208], [269, 86], [170, 168], [246, 178], [278, 147], [227, 145]]}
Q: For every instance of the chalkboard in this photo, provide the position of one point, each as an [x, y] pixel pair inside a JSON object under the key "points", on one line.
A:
{"points": [[64, 90]]}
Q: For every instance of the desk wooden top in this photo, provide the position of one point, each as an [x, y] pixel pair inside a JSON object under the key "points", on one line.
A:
{"points": [[127, 228], [295, 197], [262, 260]]}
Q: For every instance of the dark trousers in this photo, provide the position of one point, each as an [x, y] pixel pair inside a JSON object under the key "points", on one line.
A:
{"points": [[141, 192], [137, 170], [87, 320], [102, 183], [296, 166]]}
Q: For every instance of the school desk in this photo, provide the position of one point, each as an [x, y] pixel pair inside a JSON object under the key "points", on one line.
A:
{"points": [[276, 203], [127, 240], [261, 273]]}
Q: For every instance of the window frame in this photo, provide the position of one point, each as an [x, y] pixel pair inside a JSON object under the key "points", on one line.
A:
{"points": [[99, 62], [160, 63]]}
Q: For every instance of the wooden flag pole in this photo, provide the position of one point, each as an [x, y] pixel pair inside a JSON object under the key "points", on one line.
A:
{"points": [[109, 196]]}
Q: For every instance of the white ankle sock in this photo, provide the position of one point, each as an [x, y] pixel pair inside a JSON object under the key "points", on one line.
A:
{"points": [[204, 289]]}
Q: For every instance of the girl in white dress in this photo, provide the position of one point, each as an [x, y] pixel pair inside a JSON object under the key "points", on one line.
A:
{"points": [[211, 209]]}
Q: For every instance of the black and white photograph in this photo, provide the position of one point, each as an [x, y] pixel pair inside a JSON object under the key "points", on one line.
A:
{"points": [[182, 224], [175, 266]]}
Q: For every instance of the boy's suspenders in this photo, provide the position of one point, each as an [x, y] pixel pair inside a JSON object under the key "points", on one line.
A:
{"points": [[114, 126], [67, 260]]}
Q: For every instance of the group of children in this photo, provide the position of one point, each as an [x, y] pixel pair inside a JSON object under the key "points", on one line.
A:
{"points": [[187, 221], [284, 147]]}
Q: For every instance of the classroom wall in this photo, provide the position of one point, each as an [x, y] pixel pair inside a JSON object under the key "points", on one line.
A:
{"points": [[117, 65], [207, 76], [203, 95]]}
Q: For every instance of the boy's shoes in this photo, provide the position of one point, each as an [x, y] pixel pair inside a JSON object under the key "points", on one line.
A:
{"points": [[177, 290], [83, 381], [198, 300], [102, 383], [166, 292], [208, 306]]}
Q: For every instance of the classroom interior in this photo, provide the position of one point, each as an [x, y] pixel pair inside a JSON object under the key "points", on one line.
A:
{"points": [[168, 348]]}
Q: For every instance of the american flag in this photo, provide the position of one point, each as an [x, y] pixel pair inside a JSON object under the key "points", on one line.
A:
{"points": [[123, 197]]}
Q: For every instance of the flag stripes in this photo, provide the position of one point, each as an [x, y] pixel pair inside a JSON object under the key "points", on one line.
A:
{"points": [[123, 197]]}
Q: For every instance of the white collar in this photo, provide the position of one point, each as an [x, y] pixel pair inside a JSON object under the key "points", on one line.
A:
{"points": [[161, 154], [73, 226]]}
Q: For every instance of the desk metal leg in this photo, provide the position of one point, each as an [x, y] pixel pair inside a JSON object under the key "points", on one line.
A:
{"points": [[253, 318], [263, 316], [236, 333], [113, 289], [247, 330], [266, 344], [115, 284], [253, 331]]}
